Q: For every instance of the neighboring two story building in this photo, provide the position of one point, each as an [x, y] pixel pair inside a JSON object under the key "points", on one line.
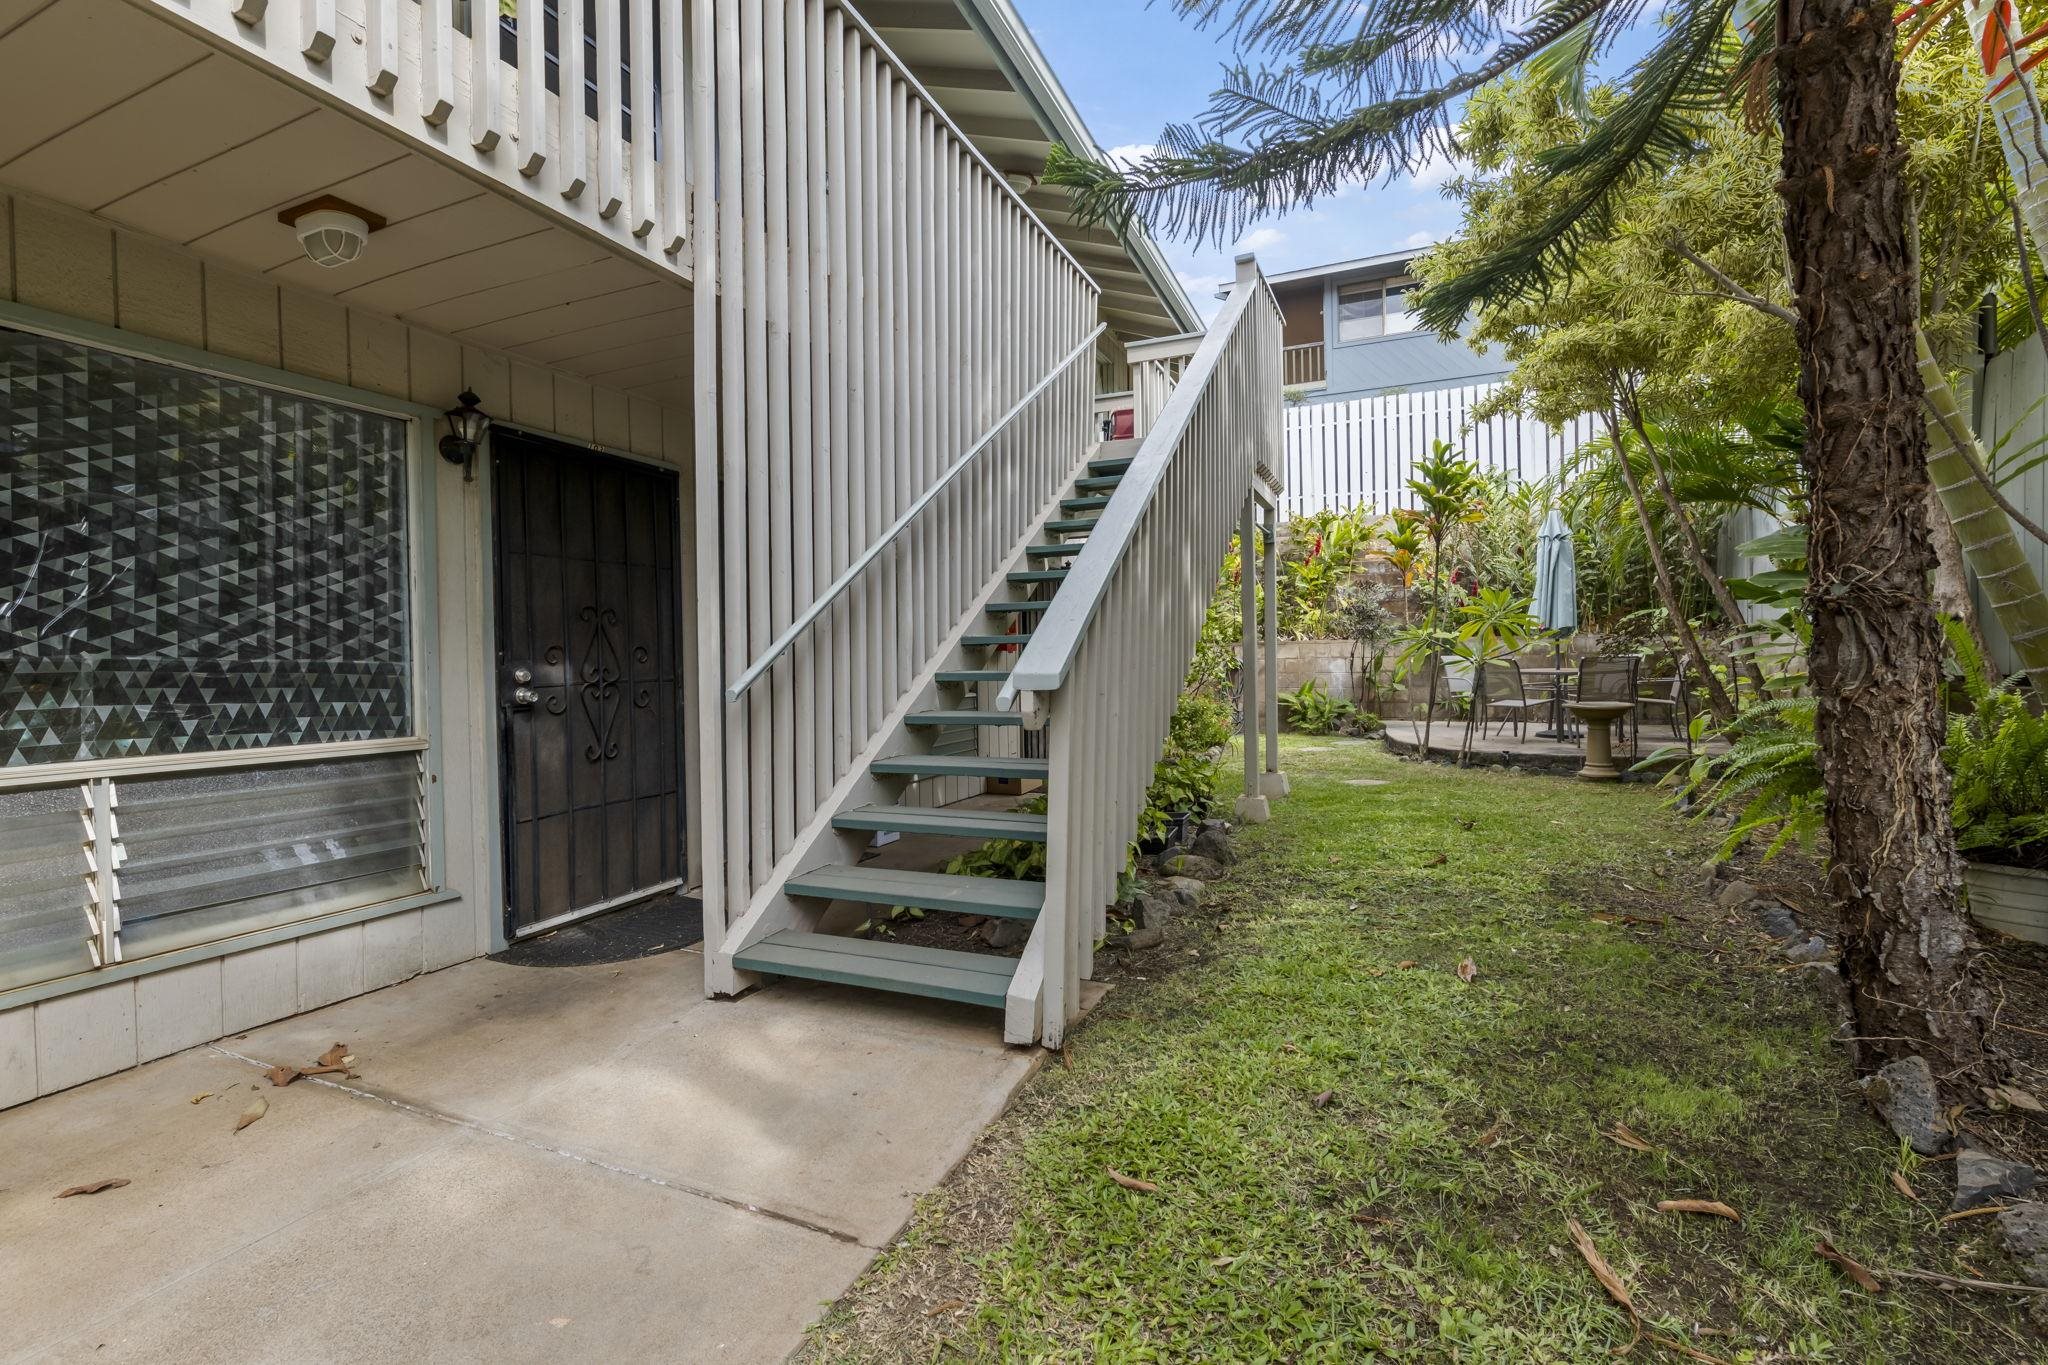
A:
{"points": [[1370, 391], [1349, 333]]}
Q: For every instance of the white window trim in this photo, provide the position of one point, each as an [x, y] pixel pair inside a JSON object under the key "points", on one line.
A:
{"points": [[1331, 325]]}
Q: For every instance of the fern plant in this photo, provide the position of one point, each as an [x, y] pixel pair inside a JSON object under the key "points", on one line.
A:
{"points": [[1769, 777], [1998, 755]]}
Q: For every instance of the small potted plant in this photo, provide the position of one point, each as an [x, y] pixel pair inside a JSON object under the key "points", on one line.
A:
{"points": [[1998, 754]]}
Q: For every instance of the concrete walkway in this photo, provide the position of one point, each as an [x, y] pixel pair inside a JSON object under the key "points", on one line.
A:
{"points": [[566, 1163]]}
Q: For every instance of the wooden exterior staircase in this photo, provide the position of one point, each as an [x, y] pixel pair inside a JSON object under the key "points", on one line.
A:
{"points": [[1080, 639], [955, 701]]}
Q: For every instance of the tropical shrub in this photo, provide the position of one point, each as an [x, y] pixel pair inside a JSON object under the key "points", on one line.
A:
{"points": [[1998, 754], [1313, 711]]}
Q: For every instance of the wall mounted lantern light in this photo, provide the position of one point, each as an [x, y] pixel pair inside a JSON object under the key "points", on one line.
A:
{"points": [[466, 427]]}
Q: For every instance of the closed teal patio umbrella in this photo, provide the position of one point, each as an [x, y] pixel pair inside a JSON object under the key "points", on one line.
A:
{"points": [[1557, 600]]}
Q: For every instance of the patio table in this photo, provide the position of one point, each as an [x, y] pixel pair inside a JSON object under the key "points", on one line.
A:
{"points": [[1553, 678]]}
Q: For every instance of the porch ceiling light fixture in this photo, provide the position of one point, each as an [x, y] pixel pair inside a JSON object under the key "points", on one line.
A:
{"points": [[466, 427], [333, 231]]}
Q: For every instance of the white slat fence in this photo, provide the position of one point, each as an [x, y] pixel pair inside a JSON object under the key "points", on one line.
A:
{"points": [[1361, 452]]}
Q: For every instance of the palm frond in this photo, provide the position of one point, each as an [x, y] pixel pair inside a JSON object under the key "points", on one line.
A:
{"points": [[1343, 111]]}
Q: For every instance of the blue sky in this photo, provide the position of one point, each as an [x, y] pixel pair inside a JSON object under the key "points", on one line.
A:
{"points": [[1132, 68]]}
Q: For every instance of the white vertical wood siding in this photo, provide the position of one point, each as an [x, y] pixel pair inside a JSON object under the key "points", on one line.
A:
{"points": [[886, 296], [1105, 667], [1361, 452]]}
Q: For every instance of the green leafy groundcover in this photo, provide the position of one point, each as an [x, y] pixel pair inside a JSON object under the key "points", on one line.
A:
{"points": [[1360, 1156]]}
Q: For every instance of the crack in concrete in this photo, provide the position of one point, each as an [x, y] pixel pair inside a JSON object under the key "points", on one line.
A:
{"points": [[486, 1130]]}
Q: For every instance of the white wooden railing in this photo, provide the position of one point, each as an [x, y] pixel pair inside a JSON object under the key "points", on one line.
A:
{"points": [[1156, 366], [1303, 364], [1105, 667], [888, 299], [610, 158]]}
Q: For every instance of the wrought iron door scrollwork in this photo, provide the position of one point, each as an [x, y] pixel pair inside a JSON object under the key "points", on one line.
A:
{"points": [[599, 685]]}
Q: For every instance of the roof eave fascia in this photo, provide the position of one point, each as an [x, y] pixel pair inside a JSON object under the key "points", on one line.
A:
{"points": [[1011, 42]]}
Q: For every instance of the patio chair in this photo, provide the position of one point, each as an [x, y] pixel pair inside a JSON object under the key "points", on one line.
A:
{"points": [[1612, 677], [1670, 694], [1454, 680], [1502, 691]]}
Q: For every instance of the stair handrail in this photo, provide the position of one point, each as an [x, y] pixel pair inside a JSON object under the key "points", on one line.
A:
{"points": [[781, 644], [1049, 650], [1106, 664]]}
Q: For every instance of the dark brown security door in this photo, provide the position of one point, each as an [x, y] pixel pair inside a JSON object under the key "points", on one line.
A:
{"points": [[587, 680]]}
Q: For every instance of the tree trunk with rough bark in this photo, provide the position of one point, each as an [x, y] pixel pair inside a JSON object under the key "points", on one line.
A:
{"points": [[1908, 950], [1667, 591]]}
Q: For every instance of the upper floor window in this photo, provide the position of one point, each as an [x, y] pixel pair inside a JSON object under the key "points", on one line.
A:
{"points": [[1374, 308]]}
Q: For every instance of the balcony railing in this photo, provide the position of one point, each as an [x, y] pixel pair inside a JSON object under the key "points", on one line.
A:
{"points": [[610, 158], [1303, 365]]}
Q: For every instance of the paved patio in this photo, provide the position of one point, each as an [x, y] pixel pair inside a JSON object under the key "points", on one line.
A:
{"points": [[1530, 751], [554, 1163]]}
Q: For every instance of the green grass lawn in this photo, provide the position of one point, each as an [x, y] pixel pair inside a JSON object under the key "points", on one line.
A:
{"points": [[1359, 1155]]}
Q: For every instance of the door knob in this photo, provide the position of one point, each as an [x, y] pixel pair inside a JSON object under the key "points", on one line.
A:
{"points": [[524, 696], [522, 675]]}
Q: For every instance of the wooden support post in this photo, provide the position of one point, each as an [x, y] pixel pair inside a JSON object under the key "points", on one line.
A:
{"points": [[1251, 807], [1274, 783]]}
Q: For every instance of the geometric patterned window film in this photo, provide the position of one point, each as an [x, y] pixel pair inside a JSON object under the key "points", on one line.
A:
{"points": [[190, 564]]}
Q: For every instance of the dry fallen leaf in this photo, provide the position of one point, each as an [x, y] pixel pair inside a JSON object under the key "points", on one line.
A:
{"points": [[559, 1322], [1436, 860], [1904, 1186], [945, 1306], [283, 1075], [1404, 964], [1324, 1098], [324, 1070], [1467, 970], [203, 1095], [1708, 1206], [1491, 1135], [1130, 1182], [334, 1056], [255, 1111], [1854, 1269], [93, 1187], [1604, 1273], [1973, 1213], [2012, 1097], [1621, 1135], [1680, 1348], [1371, 1218], [1221, 1261]]}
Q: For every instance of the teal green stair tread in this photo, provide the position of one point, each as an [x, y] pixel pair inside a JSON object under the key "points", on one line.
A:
{"points": [[1067, 525], [1056, 550], [1010, 608], [1094, 485], [1111, 466], [1082, 504], [998, 896], [950, 821], [903, 968], [962, 765], [964, 716], [1038, 575], [993, 641], [973, 675]]}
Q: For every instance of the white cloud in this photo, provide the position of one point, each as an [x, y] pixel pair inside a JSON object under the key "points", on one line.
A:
{"points": [[1129, 155], [1419, 239], [1438, 169], [1262, 239]]}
